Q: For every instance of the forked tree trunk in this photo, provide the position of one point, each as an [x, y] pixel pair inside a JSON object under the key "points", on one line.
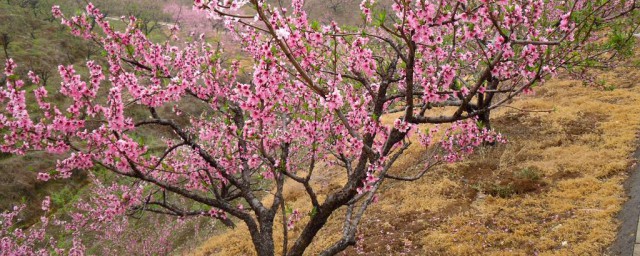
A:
{"points": [[263, 240], [484, 101]]}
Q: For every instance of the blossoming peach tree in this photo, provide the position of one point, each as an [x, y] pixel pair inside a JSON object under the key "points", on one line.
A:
{"points": [[314, 104]]}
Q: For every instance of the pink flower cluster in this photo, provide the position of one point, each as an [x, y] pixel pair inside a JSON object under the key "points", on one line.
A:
{"points": [[294, 217]]}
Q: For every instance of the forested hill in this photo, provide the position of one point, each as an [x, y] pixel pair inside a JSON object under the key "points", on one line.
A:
{"points": [[37, 42], [31, 36]]}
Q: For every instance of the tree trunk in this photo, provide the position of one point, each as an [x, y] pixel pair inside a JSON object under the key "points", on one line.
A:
{"points": [[485, 119], [333, 202], [262, 234], [484, 102], [315, 224], [263, 240], [6, 40]]}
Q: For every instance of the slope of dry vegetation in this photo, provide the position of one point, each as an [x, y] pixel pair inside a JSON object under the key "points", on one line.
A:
{"points": [[554, 189]]}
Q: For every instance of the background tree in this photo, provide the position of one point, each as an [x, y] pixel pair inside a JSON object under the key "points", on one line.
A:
{"points": [[148, 12], [315, 103], [5, 39], [336, 5], [39, 44], [192, 20]]}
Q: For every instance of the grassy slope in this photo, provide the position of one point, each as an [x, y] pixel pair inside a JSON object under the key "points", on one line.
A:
{"points": [[554, 189], [37, 45], [18, 183]]}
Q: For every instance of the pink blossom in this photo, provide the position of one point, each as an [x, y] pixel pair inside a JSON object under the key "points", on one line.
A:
{"points": [[43, 176], [46, 203]]}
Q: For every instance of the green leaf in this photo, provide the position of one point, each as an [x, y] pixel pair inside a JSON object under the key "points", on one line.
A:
{"points": [[313, 212], [130, 50], [315, 25]]}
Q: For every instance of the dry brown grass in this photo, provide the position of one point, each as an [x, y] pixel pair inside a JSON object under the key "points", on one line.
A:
{"points": [[554, 189]]}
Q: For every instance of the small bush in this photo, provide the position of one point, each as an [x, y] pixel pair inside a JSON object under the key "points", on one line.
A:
{"points": [[503, 191], [528, 174]]}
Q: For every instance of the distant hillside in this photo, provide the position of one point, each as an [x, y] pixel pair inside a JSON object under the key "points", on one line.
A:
{"points": [[36, 41], [30, 35]]}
